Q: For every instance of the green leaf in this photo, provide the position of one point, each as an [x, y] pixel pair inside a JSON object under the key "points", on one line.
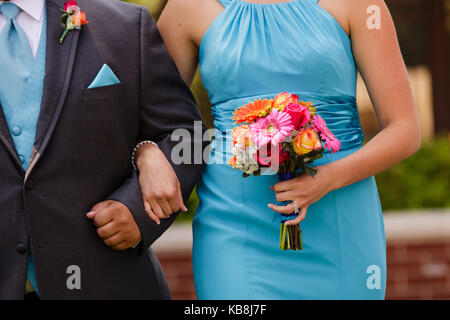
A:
{"points": [[311, 171]]}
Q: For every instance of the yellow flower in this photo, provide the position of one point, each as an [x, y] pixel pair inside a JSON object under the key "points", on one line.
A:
{"points": [[283, 99], [306, 141]]}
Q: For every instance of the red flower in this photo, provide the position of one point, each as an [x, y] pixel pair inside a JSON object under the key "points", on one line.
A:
{"points": [[71, 6], [300, 115], [266, 157]]}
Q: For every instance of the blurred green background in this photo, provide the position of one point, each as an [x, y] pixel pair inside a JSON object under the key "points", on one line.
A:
{"points": [[422, 181]]}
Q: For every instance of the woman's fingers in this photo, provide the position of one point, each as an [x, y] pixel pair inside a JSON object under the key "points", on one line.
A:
{"points": [[286, 196], [301, 216], [165, 206], [284, 185], [180, 199], [150, 212], [174, 199], [287, 209], [164, 203], [157, 209]]}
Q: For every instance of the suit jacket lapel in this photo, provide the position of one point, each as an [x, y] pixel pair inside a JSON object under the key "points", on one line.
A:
{"points": [[58, 70]]}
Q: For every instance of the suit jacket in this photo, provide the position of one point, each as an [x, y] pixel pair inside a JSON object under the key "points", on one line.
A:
{"points": [[81, 156]]}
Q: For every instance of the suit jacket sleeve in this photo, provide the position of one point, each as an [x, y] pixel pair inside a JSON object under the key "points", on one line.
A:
{"points": [[167, 104]]}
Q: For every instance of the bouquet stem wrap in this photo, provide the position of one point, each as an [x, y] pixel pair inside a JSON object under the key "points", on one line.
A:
{"points": [[290, 235]]}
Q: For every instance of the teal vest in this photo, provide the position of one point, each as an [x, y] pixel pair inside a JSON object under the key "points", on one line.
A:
{"points": [[22, 119]]}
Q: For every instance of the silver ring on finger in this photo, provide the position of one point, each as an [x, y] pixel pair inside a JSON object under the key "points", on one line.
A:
{"points": [[296, 209]]}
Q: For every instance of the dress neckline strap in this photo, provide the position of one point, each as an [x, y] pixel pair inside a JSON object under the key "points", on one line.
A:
{"points": [[225, 3]]}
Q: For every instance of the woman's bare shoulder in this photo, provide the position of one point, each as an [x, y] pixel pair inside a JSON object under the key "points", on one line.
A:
{"points": [[192, 16], [192, 9]]}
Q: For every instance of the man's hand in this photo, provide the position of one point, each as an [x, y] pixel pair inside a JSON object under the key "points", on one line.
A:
{"points": [[160, 187], [115, 225]]}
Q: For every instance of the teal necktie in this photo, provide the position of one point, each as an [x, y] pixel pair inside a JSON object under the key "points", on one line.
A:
{"points": [[16, 57]]}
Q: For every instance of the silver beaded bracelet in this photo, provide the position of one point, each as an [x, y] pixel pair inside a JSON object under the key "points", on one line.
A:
{"points": [[140, 144]]}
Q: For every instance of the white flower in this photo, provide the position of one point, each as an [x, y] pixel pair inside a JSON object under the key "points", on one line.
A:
{"points": [[245, 158]]}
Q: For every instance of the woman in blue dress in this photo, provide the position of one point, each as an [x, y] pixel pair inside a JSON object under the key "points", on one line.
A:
{"points": [[249, 49]]}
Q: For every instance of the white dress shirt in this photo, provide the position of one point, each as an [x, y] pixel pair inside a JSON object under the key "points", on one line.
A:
{"points": [[30, 19]]}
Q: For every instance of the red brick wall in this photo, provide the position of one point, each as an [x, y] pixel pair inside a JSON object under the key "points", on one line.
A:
{"points": [[419, 270], [415, 271], [178, 270]]}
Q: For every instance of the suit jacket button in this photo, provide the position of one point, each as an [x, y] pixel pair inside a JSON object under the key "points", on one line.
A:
{"points": [[29, 185], [21, 248]]}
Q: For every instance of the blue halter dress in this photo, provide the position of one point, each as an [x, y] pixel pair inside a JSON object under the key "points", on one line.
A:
{"points": [[254, 51]]}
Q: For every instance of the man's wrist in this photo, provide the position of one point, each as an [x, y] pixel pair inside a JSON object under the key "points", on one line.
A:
{"points": [[137, 243]]}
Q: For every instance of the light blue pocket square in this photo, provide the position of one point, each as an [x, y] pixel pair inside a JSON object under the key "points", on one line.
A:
{"points": [[105, 77]]}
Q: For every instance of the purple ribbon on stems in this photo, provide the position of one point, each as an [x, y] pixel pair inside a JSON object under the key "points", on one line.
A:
{"points": [[291, 235]]}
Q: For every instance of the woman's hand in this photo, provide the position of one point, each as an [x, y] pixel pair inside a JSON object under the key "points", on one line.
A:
{"points": [[303, 191], [161, 189]]}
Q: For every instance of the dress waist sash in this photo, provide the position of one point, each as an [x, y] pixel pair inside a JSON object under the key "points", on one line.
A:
{"points": [[339, 111]]}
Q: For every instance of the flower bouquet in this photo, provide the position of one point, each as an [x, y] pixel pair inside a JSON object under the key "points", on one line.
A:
{"points": [[283, 135]]}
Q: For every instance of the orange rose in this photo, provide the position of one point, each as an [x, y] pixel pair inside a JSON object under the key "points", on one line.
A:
{"points": [[306, 141], [283, 99], [79, 18]]}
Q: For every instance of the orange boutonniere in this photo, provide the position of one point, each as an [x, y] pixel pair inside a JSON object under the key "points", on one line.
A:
{"points": [[72, 18]]}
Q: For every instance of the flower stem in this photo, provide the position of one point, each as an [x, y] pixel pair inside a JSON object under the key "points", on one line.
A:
{"points": [[300, 237], [283, 237], [66, 31]]}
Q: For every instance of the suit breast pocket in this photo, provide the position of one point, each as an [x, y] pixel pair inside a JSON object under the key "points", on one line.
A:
{"points": [[104, 96], [104, 110]]}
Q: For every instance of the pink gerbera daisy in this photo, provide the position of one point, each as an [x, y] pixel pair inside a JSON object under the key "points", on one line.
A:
{"points": [[331, 142], [273, 128]]}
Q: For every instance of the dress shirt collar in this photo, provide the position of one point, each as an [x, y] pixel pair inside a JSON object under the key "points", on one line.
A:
{"points": [[31, 7]]}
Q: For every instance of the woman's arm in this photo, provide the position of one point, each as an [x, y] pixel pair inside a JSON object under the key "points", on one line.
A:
{"points": [[377, 54], [175, 25], [381, 65], [160, 186], [182, 25]]}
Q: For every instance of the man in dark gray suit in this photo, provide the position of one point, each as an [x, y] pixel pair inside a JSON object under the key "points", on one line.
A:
{"points": [[82, 136]]}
